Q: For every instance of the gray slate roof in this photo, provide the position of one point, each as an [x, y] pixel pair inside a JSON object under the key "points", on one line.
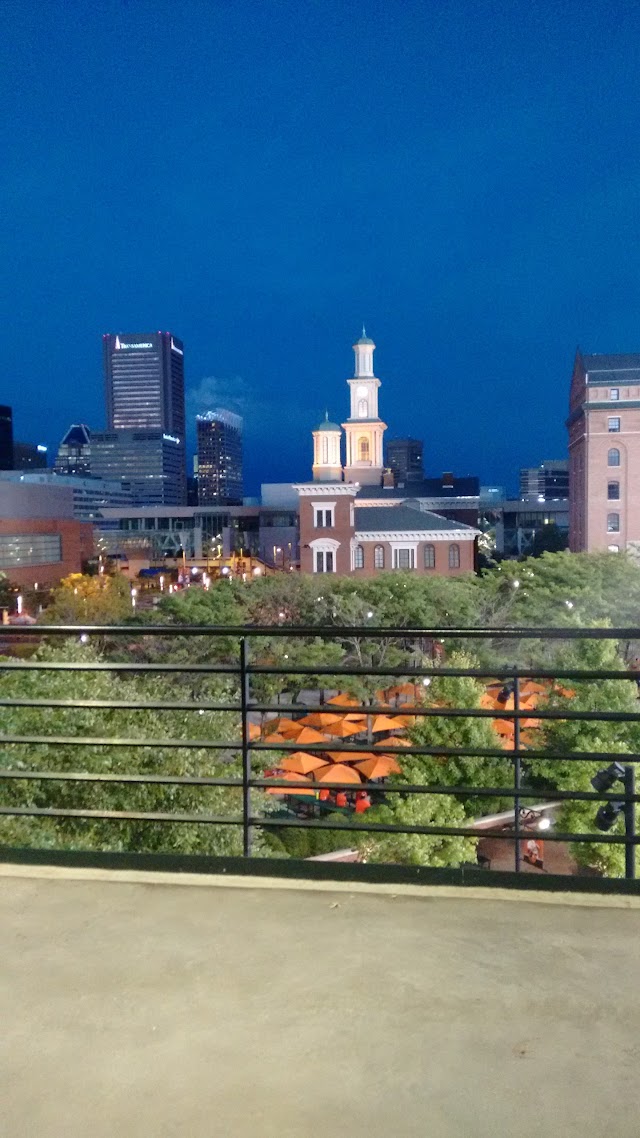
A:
{"points": [[603, 368], [403, 518]]}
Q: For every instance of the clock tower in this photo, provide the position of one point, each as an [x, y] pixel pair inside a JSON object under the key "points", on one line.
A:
{"points": [[364, 429]]}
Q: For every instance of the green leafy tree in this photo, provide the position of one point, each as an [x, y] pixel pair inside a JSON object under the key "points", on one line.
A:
{"points": [[573, 736], [417, 849], [80, 599]]}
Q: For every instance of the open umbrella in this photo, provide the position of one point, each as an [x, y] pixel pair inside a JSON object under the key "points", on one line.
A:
{"points": [[254, 731], [349, 756], [275, 738], [394, 741], [343, 699], [320, 718], [336, 772], [378, 766], [387, 723], [302, 762], [290, 776], [504, 727], [309, 735], [343, 729], [280, 725]]}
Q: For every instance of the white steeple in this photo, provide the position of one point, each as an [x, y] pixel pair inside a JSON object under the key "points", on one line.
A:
{"points": [[364, 429]]}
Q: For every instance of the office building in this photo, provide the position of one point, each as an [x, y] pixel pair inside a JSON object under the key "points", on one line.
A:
{"points": [[604, 453], [219, 437], [40, 540], [144, 387], [6, 438], [545, 483], [29, 456], [150, 462], [74, 452], [404, 459]]}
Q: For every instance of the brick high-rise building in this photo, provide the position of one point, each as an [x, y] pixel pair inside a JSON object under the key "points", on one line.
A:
{"points": [[604, 453]]}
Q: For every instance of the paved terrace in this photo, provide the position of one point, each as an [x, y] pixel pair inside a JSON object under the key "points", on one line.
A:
{"points": [[194, 1007]]}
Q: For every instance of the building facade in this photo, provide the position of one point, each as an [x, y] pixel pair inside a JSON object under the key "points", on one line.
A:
{"points": [[74, 452], [604, 453], [89, 495], [405, 460], [364, 429], [6, 438], [29, 456], [144, 390], [219, 439], [545, 483], [151, 463], [40, 540]]}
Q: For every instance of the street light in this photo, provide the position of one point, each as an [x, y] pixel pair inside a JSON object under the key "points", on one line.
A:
{"points": [[610, 811]]}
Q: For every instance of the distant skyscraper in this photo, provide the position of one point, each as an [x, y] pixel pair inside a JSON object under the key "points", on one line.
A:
{"points": [[546, 482], [219, 436], [404, 456], [74, 452], [150, 462], [6, 438], [29, 456], [144, 385]]}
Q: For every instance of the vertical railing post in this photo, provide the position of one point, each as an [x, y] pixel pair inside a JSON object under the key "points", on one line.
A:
{"points": [[517, 773], [246, 753], [629, 822]]}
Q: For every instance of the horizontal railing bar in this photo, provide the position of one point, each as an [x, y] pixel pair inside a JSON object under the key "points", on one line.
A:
{"points": [[123, 704], [90, 741], [263, 822], [468, 712], [368, 632], [101, 666], [435, 672], [287, 784]]}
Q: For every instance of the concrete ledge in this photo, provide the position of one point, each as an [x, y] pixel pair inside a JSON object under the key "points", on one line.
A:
{"points": [[230, 881]]}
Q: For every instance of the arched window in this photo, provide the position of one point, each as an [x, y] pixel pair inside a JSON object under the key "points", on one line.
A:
{"points": [[358, 557], [363, 449], [613, 491], [363, 409], [429, 556], [325, 449], [613, 458], [378, 557], [454, 556], [613, 523]]}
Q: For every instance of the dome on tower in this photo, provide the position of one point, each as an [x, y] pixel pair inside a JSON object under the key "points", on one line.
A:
{"points": [[327, 425], [364, 339]]}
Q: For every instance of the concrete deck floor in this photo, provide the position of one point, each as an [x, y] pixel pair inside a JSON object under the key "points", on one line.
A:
{"points": [[167, 1009]]}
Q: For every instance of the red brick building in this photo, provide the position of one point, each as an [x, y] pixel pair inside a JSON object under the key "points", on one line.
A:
{"points": [[604, 453], [40, 540]]}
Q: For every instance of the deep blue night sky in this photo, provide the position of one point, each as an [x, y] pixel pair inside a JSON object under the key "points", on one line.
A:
{"points": [[260, 178]]}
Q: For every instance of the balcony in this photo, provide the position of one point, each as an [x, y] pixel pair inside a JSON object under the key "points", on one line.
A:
{"points": [[181, 1004]]}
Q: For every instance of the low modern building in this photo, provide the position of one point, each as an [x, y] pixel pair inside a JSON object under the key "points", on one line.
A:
{"points": [[521, 527], [89, 495], [40, 540]]}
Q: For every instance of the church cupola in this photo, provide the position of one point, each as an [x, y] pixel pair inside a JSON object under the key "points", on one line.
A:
{"points": [[327, 463], [364, 429]]}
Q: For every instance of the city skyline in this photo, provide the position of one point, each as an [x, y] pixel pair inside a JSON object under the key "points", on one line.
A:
{"points": [[435, 173]]}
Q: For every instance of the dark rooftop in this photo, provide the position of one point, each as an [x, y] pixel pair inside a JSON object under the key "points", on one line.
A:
{"points": [[600, 367], [465, 487], [403, 518]]}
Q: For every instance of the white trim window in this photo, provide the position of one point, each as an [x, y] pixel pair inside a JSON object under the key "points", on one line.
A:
{"points": [[613, 457], [358, 557], [613, 424], [324, 517], [378, 557], [614, 393], [404, 557], [454, 556], [324, 555], [613, 523]]}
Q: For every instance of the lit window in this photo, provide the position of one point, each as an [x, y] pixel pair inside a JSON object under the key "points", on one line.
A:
{"points": [[613, 491], [454, 556], [358, 557], [429, 556], [613, 457], [378, 557], [614, 424], [614, 393], [613, 523]]}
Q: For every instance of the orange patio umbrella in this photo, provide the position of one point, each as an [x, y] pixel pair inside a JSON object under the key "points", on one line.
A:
{"points": [[320, 718], [336, 772], [343, 729], [503, 726], [378, 766], [275, 738], [532, 687], [394, 741], [302, 762], [290, 776], [387, 723], [343, 699], [309, 735], [280, 725], [349, 756], [254, 731]]}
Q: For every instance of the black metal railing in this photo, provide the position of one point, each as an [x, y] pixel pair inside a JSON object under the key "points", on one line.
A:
{"points": [[243, 669]]}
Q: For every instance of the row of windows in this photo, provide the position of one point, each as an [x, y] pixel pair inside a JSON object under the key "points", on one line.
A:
{"points": [[405, 558], [29, 549]]}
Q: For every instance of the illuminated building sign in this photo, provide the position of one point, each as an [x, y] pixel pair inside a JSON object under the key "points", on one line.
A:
{"points": [[120, 345], [175, 348], [171, 438]]}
